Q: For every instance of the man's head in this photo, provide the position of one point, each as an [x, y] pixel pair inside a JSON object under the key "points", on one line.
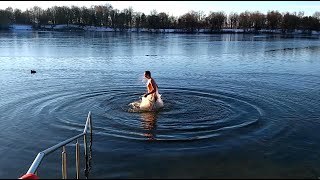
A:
{"points": [[147, 74]]}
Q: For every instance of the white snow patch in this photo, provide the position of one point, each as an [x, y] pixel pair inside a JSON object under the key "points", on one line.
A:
{"points": [[21, 27]]}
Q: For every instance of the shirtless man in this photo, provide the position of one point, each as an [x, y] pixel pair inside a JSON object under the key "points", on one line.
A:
{"points": [[151, 86]]}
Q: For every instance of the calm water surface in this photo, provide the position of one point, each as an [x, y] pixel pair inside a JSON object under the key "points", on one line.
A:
{"points": [[236, 106]]}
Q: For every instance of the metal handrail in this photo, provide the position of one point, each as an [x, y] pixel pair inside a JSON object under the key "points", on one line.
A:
{"points": [[37, 161]]}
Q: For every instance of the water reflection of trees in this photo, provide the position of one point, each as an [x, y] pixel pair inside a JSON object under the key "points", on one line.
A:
{"points": [[149, 124]]}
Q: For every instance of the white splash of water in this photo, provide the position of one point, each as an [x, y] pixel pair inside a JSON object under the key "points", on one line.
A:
{"points": [[146, 104]]}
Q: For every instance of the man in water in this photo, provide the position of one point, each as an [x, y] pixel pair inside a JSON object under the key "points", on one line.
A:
{"points": [[152, 99], [151, 86]]}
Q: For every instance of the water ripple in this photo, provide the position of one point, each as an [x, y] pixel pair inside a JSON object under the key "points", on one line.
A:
{"points": [[188, 115]]}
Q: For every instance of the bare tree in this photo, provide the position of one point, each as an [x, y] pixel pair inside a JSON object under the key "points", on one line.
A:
{"points": [[189, 21], [99, 10], [6, 18], [113, 15], [36, 11], [216, 20], [44, 17], [309, 24], [258, 20], [76, 15], [173, 22], [316, 15], [290, 22], [144, 20], [233, 20], [106, 15], [153, 20], [137, 20], [244, 21], [164, 20], [274, 20]]}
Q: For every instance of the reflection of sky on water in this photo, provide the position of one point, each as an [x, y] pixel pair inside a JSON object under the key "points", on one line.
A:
{"points": [[255, 98]]}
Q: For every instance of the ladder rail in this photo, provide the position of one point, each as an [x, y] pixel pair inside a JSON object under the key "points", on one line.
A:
{"points": [[37, 161]]}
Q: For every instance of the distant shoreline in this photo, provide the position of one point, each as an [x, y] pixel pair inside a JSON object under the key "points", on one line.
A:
{"points": [[77, 28]]}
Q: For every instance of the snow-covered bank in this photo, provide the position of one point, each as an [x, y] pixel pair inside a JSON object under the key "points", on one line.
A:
{"points": [[101, 29], [17, 27], [72, 27]]}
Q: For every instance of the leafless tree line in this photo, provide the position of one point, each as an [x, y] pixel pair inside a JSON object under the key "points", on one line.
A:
{"points": [[107, 16]]}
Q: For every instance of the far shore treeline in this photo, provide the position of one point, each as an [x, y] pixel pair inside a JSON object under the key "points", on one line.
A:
{"points": [[192, 21]]}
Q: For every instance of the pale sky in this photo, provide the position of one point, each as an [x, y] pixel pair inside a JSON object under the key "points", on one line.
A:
{"points": [[177, 8]]}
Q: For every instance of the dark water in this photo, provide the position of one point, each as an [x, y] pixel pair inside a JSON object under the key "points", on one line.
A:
{"points": [[236, 106]]}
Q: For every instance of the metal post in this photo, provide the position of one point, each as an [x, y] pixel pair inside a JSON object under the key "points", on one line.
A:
{"points": [[64, 163], [90, 123], [85, 155], [78, 159], [90, 148]]}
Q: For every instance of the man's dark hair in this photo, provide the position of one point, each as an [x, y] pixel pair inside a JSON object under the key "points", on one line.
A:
{"points": [[148, 73]]}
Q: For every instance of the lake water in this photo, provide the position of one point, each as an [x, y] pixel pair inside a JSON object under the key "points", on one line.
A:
{"points": [[236, 106]]}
